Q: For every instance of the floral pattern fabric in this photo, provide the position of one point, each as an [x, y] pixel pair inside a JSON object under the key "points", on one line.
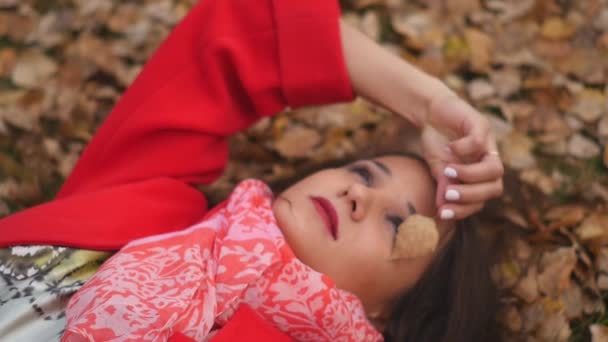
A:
{"points": [[193, 281]]}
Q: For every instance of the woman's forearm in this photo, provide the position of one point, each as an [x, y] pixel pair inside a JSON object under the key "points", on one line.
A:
{"points": [[388, 80]]}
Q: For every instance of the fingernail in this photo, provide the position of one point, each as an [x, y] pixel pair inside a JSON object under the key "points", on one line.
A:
{"points": [[452, 195], [450, 172], [447, 214]]}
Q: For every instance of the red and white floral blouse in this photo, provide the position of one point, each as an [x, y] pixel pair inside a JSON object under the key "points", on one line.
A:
{"points": [[193, 281]]}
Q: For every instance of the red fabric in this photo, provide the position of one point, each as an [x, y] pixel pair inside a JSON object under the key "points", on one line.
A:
{"points": [[245, 325], [229, 63]]}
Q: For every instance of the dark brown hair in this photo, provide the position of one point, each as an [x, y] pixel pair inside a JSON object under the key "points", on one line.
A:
{"points": [[455, 299]]}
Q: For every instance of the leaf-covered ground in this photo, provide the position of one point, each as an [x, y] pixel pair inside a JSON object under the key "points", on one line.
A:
{"points": [[537, 68]]}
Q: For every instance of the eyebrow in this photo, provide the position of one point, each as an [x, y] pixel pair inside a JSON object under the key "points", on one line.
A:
{"points": [[387, 171], [382, 167]]}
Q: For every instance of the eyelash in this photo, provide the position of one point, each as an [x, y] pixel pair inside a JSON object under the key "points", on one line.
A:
{"points": [[367, 176], [396, 221]]}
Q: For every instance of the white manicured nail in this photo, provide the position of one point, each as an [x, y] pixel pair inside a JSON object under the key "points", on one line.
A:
{"points": [[447, 214], [450, 172], [452, 195]]}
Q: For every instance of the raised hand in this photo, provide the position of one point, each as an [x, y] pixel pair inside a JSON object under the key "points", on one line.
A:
{"points": [[461, 150]]}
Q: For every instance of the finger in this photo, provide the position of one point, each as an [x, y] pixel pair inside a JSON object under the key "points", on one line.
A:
{"points": [[442, 183], [473, 193], [488, 169], [459, 211], [473, 145]]}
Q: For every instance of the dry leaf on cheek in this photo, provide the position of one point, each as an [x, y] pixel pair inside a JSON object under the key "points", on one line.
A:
{"points": [[417, 236]]}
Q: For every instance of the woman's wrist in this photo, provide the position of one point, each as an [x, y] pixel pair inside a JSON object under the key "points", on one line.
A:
{"points": [[387, 80]]}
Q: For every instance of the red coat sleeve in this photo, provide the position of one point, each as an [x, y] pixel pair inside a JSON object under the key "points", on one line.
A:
{"points": [[227, 64]]}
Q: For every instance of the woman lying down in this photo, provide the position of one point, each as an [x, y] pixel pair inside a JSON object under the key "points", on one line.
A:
{"points": [[376, 249]]}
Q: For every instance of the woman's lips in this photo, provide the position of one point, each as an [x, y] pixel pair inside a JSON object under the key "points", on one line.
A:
{"points": [[328, 213]]}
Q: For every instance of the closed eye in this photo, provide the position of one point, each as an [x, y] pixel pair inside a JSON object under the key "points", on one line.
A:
{"points": [[364, 172], [396, 221]]}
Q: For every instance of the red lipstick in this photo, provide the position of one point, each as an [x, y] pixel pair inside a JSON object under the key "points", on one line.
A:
{"points": [[328, 213]]}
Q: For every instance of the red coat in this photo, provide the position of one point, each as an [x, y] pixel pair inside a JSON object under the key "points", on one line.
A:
{"points": [[226, 65]]}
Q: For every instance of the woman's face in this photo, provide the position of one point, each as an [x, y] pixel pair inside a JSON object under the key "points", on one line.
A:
{"points": [[353, 245]]}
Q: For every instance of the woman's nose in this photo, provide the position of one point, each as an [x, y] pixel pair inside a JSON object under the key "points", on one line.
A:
{"points": [[360, 199]]}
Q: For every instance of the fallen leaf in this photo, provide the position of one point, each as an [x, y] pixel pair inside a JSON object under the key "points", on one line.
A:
{"points": [[555, 269], [527, 287], [555, 328], [461, 7], [480, 46], [557, 28], [599, 333], [507, 82], [590, 105], [8, 59], [572, 298], [370, 25], [367, 3], [506, 274], [298, 142], [540, 180], [417, 236], [510, 317], [594, 228], [32, 69], [516, 151], [480, 89], [8, 3], [602, 128], [582, 147], [566, 215]]}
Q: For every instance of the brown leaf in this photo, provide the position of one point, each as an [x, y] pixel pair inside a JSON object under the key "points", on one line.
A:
{"points": [[510, 318], [572, 298], [594, 228], [540, 180], [480, 89], [298, 142], [367, 3], [481, 46], [555, 269], [507, 82], [557, 28], [527, 287], [590, 105], [33, 68], [516, 151], [8, 3], [582, 147], [566, 215], [599, 333], [8, 59], [418, 236], [420, 29], [461, 7]]}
